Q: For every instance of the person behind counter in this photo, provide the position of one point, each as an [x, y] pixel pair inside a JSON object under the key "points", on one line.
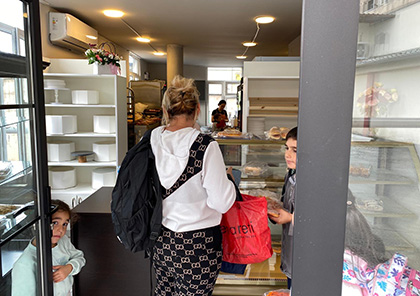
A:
{"points": [[285, 215], [187, 255], [67, 260], [219, 116]]}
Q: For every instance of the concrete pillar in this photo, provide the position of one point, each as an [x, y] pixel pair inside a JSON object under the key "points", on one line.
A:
{"points": [[174, 61]]}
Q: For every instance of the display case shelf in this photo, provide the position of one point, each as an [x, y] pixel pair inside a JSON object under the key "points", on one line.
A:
{"points": [[75, 163], [83, 135], [78, 106], [391, 209]]}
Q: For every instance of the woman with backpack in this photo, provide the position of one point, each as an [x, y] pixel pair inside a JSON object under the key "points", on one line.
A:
{"points": [[187, 255]]}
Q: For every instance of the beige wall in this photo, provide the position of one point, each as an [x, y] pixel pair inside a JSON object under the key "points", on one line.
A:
{"points": [[294, 47], [51, 51], [158, 71]]}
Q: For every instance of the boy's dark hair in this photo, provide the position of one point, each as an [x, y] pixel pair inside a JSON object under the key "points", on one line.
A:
{"points": [[63, 207], [359, 237], [292, 134], [221, 102]]}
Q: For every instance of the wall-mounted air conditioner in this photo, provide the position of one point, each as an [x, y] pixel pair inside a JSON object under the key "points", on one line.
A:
{"points": [[69, 32], [362, 50]]}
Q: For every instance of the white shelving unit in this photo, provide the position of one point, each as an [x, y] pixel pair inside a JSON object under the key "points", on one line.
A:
{"points": [[271, 91], [112, 101]]}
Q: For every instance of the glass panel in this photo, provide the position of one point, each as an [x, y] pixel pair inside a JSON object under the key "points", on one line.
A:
{"points": [[261, 167], [17, 187], [215, 89], [12, 15], [224, 74], [6, 42], [13, 91], [22, 47], [17, 279], [231, 88], [384, 161]]}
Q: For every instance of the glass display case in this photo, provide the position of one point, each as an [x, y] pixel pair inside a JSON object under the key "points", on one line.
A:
{"points": [[263, 168], [384, 178]]}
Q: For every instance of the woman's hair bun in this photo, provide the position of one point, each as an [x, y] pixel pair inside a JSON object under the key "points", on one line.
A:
{"points": [[181, 98]]}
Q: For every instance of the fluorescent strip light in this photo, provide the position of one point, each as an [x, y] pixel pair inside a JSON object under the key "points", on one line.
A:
{"points": [[158, 53], [241, 57]]}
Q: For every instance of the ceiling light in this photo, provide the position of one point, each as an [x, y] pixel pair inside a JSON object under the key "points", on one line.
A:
{"points": [[241, 57], [91, 37], [249, 44], [143, 39], [158, 53], [264, 19], [113, 13]]}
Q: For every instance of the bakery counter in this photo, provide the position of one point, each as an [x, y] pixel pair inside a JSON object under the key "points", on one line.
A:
{"points": [[110, 268]]}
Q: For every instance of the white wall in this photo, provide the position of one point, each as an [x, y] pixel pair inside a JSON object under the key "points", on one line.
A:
{"points": [[401, 32]]}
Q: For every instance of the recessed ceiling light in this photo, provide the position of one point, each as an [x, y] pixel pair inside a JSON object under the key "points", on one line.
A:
{"points": [[264, 19], [143, 39], [113, 13], [249, 44], [241, 57], [158, 53], [91, 37]]}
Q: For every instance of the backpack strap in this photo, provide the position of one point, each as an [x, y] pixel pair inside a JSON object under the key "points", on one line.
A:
{"points": [[194, 164]]}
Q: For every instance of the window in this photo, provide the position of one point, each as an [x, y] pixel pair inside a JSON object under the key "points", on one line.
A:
{"points": [[13, 122], [134, 66], [222, 85]]}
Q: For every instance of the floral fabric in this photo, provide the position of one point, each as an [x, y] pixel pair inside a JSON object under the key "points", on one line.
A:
{"points": [[392, 278]]}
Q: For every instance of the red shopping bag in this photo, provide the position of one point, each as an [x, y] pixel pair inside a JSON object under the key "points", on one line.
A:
{"points": [[246, 235]]}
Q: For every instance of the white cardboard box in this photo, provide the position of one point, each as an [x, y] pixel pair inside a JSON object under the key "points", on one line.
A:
{"points": [[61, 124], [85, 97], [104, 151], [60, 150], [104, 124], [103, 177], [62, 177]]}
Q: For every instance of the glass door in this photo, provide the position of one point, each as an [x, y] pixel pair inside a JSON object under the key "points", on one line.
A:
{"points": [[385, 152], [24, 196]]}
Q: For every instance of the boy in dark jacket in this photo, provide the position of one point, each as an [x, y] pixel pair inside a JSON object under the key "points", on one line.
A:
{"points": [[285, 215]]}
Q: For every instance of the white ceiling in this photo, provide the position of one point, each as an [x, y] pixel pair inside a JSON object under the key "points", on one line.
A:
{"points": [[210, 31]]}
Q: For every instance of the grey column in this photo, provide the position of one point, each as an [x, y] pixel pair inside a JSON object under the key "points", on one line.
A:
{"points": [[174, 61], [328, 59]]}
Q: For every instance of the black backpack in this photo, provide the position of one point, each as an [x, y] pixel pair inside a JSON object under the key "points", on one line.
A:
{"points": [[136, 206]]}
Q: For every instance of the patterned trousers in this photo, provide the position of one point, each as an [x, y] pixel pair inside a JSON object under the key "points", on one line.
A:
{"points": [[187, 263]]}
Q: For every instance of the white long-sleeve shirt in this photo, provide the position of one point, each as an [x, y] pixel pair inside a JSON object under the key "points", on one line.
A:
{"points": [[200, 202], [25, 268]]}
